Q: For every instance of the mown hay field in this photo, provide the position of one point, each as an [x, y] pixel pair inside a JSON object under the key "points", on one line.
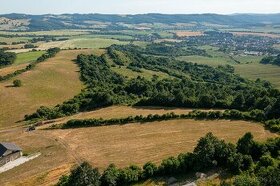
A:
{"points": [[120, 144], [10, 69], [93, 43], [120, 112]]}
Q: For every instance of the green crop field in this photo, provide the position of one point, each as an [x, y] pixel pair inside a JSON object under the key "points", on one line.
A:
{"points": [[95, 43], [27, 57]]}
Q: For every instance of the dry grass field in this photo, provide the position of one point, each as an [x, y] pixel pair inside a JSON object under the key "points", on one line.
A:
{"points": [[139, 143], [188, 33], [121, 112], [50, 83], [69, 32], [93, 43], [122, 145], [10, 69]]}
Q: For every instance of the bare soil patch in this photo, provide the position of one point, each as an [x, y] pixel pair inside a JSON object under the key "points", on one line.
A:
{"points": [[188, 33]]}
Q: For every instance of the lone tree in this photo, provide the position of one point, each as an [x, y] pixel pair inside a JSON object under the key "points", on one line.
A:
{"points": [[17, 83], [83, 175]]}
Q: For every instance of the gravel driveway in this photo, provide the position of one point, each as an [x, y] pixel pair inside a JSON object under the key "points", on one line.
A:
{"points": [[18, 162]]}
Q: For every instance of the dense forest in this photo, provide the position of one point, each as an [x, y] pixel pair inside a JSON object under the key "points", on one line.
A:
{"points": [[190, 85], [254, 163], [6, 58]]}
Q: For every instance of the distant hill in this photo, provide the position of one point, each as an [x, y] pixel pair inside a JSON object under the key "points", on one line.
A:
{"points": [[78, 21]]}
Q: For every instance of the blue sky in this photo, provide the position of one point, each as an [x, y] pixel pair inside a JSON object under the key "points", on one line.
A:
{"points": [[139, 6]]}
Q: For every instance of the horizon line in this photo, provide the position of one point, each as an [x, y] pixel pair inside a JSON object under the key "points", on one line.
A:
{"points": [[206, 13]]}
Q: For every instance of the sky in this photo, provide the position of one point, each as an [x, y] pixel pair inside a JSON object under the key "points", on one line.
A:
{"points": [[139, 6]]}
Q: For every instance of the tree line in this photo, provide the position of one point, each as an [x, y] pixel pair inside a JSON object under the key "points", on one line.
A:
{"points": [[253, 115], [251, 163]]}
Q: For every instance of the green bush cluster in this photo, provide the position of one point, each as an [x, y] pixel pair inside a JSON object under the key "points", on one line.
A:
{"points": [[271, 60], [6, 58], [17, 83]]}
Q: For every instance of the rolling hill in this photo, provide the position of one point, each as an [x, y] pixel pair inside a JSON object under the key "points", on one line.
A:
{"points": [[84, 21]]}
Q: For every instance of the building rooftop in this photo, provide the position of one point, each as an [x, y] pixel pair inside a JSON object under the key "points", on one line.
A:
{"points": [[4, 146]]}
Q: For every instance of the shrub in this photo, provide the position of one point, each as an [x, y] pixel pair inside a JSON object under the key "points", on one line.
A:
{"points": [[17, 83], [246, 180]]}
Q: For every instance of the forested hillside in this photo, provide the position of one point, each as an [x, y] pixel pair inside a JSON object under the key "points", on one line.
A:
{"points": [[189, 85], [74, 21]]}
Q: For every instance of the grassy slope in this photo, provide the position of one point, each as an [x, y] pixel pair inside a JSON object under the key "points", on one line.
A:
{"points": [[50, 83], [217, 58], [145, 73], [249, 67], [256, 70]]}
